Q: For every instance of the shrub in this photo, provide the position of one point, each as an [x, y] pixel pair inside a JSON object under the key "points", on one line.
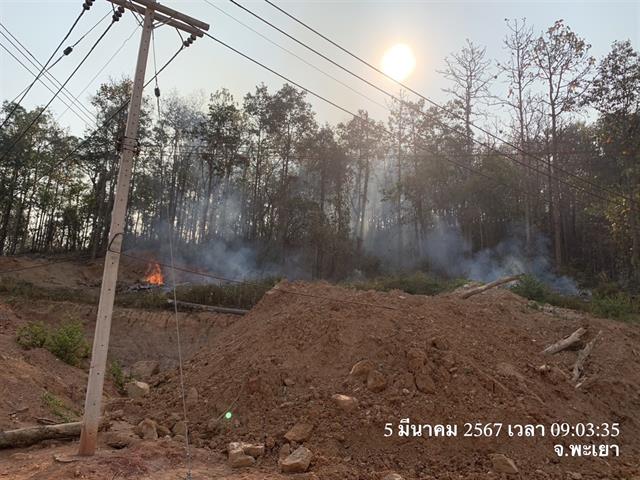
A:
{"points": [[240, 295], [67, 342], [58, 408], [32, 335], [531, 288], [612, 306], [118, 376], [418, 283]]}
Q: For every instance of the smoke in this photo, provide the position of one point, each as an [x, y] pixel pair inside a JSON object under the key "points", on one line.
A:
{"points": [[449, 253]]}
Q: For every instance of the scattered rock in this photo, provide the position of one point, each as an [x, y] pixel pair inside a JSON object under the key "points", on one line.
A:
{"points": [[147, 429], [284, 452], [117, 440], [180, 428], [237, 457], [345, 402], [424, 382], [299, 432], [392, 476], [297, 462], [440, 343], [575, 476], [503, 464], [145, 369], [416, 359], [192, 397], [362, 369], [376, 381], [137, 389]]}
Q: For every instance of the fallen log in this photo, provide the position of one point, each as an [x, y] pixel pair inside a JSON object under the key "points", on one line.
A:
{"points": [[565, 342], [495, 283], [578, 367], [23, 437], [208, 308]]}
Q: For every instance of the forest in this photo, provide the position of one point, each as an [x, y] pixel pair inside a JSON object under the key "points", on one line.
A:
{"points": [[543, 177]]}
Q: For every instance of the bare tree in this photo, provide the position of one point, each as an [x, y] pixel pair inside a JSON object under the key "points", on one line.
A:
{"points": [[564, 66], [468, 70]]}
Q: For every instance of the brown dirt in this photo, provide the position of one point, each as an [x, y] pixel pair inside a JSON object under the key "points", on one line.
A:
{"points": [[482, 354]]}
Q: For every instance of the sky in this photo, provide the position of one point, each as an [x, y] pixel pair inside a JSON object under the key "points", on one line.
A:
{"points": [[433, 30]]}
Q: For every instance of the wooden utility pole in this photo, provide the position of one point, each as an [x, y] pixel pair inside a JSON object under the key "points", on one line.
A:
{"points": [[93, 401]]}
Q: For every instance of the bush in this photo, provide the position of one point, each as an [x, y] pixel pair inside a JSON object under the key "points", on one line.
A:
{"points": [[240, 295], [531, 288], [418, 283], [58, 408], [67, 343], [614, 306], [118, 376], [32, 335]]}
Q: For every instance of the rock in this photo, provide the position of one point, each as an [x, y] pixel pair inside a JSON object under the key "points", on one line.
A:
{"points": [[137, 389], [117, 440], [192, 397], [297, 462], [288, 382], [270, 442], [180, 428], [376, 381], [163, 431], [361, 369], [575, 476], [392, 476], [299, 432], [345, 402], [145, 369], [253, 450], [284, 452], [440, 343], [503, 464], [147, 429], [424, 382], [416, 359], [237, 457]]}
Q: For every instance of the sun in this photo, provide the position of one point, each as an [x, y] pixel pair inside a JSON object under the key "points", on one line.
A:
{"points": [[398, 61]]}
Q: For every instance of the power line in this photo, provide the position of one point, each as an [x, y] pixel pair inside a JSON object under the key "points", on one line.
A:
{"points": [[83, 119], [85, 7], [46, 75], [367, 121], [420, 112], [115, 18], [425, 98], [66, 52]]}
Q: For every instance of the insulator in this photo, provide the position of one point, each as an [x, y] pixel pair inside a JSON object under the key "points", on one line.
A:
{"points": [[157, 91], [87, 4], [68, 50]]}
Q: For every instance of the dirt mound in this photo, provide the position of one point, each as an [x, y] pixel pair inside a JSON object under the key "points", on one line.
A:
{"points": [[444, 361]]}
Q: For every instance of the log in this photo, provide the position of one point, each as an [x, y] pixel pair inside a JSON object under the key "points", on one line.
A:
{"points": [[495, 283], [565, 342], [578, 367], [209, 308], [23, 437]]}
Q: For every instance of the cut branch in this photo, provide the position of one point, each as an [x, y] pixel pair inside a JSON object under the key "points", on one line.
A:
{"points": [[495, 283], [578, 367], [24, 437], [565, 342]]}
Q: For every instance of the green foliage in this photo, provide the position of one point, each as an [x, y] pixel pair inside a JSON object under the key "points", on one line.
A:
{"points": [[620, 305], [240, 295], [32, 335], [68, 343], [58, 408], [418, 283], [531, 288], [118, 376]]}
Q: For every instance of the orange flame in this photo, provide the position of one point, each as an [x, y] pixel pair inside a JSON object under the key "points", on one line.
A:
{"points": [[154, 275]]}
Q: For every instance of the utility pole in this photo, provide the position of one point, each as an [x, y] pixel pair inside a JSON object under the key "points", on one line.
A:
{"points": [[92, 406]]}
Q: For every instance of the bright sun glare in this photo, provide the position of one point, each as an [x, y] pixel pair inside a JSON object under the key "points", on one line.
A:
{"points": [[398, 62]]}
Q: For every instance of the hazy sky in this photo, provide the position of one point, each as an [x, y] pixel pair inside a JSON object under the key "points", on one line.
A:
{"points": [[432, 29]]}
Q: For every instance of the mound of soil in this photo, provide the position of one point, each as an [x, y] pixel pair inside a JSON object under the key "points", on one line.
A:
{"points": [[441, 360]]}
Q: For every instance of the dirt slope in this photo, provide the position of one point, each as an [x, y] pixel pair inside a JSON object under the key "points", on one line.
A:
{"points": [[281, 364]]}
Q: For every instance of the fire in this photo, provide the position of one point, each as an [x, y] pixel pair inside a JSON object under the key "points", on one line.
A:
{"points": [[154, 275]]}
